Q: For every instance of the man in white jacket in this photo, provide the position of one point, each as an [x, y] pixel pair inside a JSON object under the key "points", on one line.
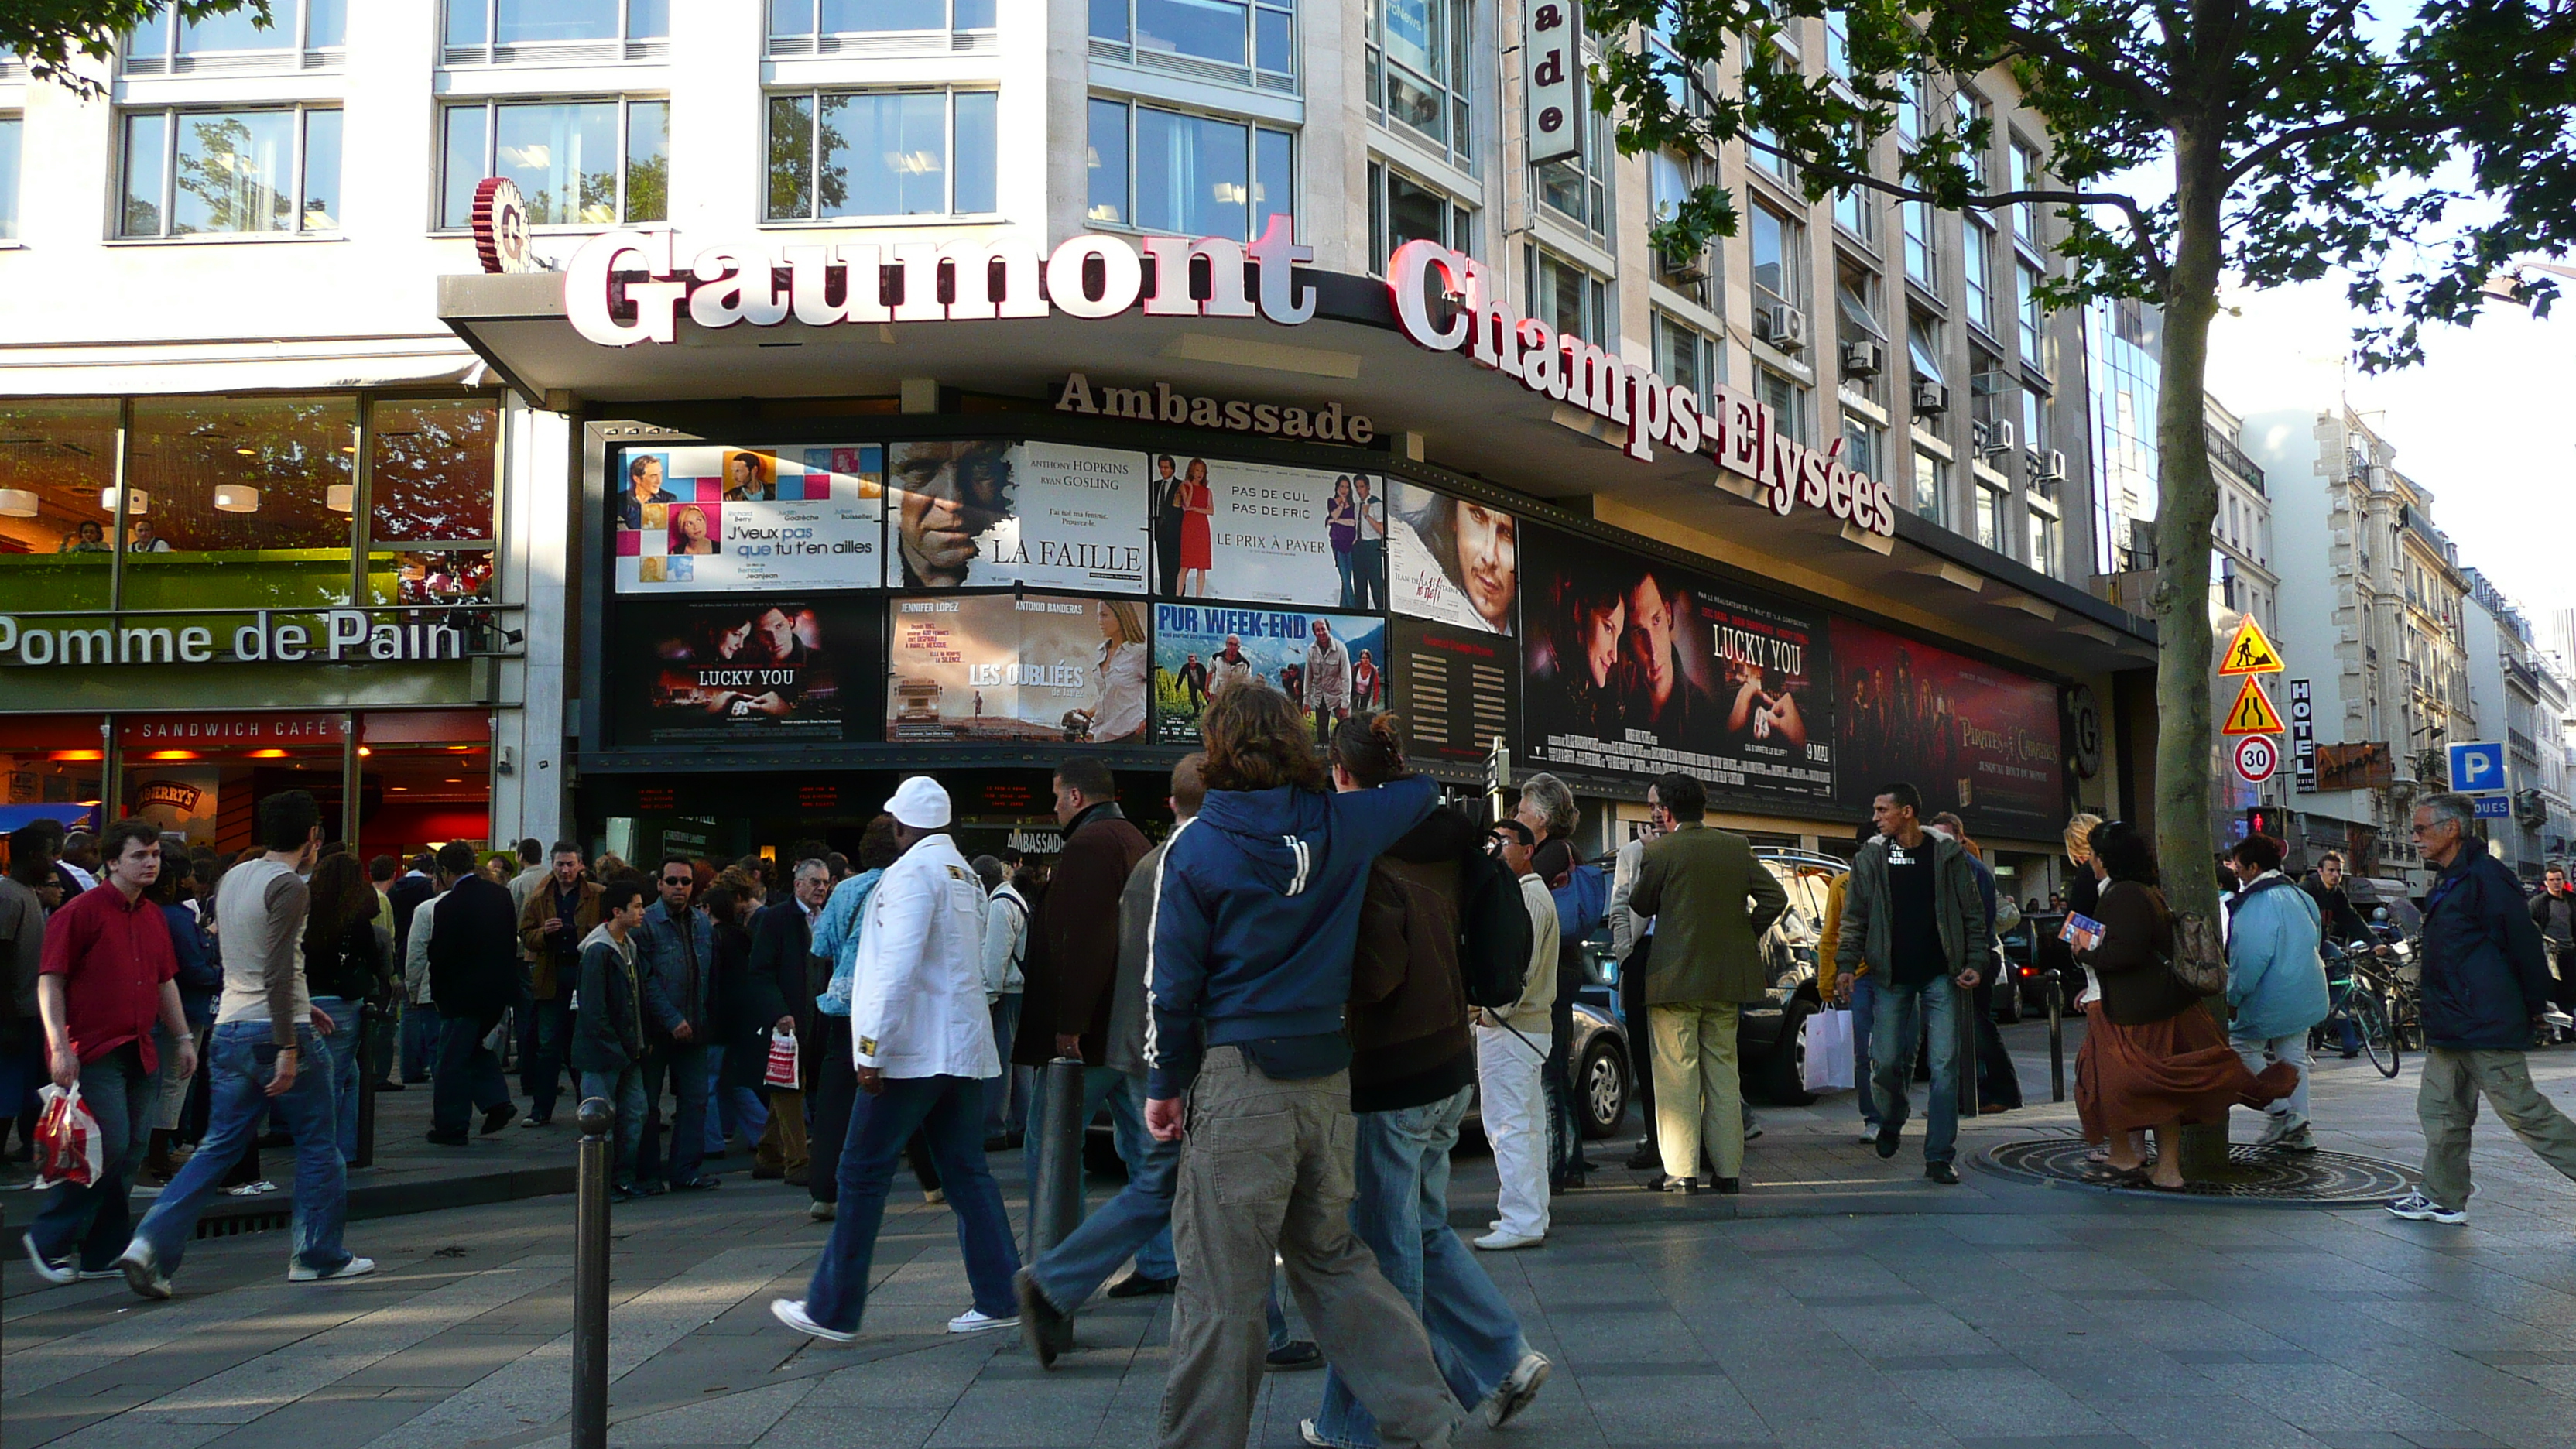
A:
{"points": [[922, 1044], [1511, 1050]]}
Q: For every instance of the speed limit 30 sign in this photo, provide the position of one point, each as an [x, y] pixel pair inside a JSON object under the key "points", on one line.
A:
{"points": [[2257, 756]]}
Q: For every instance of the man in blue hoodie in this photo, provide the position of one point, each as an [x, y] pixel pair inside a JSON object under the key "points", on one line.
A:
{"points": [[1256, 914], [2276, 981]]}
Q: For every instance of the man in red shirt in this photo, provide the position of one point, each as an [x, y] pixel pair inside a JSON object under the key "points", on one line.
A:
{"points": [[108, 973]]}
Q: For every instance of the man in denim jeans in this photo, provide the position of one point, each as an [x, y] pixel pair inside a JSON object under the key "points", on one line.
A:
{"points": [[265, 1030], [608, 1032]]}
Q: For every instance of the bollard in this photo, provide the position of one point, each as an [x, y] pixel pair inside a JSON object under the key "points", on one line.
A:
{"points": [[590, 1277], [2056, 1038], [1968, 1012], [367, 1070], [1055, 1199]]}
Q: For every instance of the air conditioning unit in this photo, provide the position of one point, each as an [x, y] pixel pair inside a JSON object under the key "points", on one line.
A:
{"points": [[1863, 359], [2048, 464], [1781, 325], [1683, 271], [1931, 398], [1999, 438]]}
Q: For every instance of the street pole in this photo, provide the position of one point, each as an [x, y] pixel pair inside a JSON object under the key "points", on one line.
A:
{"points": [[1056, 1206], [367, 1070], [2056, 1038], [590, 1278]]}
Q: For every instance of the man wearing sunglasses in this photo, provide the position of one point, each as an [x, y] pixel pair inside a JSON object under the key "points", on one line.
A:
{"points": [[672, 953]]}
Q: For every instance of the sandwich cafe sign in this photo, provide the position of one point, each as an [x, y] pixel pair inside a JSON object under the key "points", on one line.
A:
{"points": [[628, 288]]}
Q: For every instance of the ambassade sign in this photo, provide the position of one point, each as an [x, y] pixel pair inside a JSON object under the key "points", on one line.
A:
{"points": [[630, 288]]}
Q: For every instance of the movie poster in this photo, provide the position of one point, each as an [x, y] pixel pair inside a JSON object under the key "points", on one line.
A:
{"points": [[1329, 663], [1634, 668], [704, 671], [1457, 689], [1971, 737], [1018, 667], [717, 519], [1452, 561], [1267, 534], [983, 513]]}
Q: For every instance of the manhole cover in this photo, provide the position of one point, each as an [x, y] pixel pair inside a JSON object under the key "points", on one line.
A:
{"points": [[2315, 1179]]}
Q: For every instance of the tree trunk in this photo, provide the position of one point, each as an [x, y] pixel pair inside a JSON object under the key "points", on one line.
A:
{"points": [[2187, 505]]}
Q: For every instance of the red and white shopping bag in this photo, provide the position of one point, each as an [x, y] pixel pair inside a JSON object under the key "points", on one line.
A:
{"points": [[782, 1061], [67, 1146]]}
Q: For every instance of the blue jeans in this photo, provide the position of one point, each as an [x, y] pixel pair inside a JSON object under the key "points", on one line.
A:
{"points": [[1101, 1087], [244, 1061], [623, 1090], [1342, 566], [683, 1066], [344, 1046], [420, 1036], [469, 1076], [732, 1109], [1902, 1011], [1137, 1222], [544, 1028], [1402, 1213], [95, 1218], [949, 1112], [1006, 1109], [1864, 1011]]}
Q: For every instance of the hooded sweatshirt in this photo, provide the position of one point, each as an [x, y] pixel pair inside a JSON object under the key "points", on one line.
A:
{"points": [[1256, 909], [1409, 1038]]}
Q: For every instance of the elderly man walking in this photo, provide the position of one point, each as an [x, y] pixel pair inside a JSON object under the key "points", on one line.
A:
{"points": [[2486, 984]]}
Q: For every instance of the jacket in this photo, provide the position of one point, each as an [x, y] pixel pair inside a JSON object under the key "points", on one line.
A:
{"points": [[2342, 923], [1256, 907], [2547, 909], [1075, 931], [1867, 937], [608, 1030], [423, 925], [1006, 942], [917, 987], [1829, 940], [1125, 1048], [836, 939], [1534, 1011], [22, 949], [409, 894], [474, 951], [2485, 973], [2276, 979], [201, 976], [537, 908], [2134, 962], [1408, 1013], [351, 968], [675, 963], [782, 942], [1711, 902], [1627, 928]]}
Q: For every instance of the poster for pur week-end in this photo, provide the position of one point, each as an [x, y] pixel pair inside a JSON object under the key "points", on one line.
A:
{"points": [[1329, 664], [1016, 668]]}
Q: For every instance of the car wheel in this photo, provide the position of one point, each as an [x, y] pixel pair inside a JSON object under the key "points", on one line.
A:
{"points": [[1784, 1072], [1603, 1087], [2008, 1004]]}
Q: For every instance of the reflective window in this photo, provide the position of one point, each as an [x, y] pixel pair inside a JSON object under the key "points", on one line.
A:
{"points": [[1418, 79], [1172, 171], [163, 43], [1685, 356], [11, 127], [1864, 446], [251, 495], [1789, 410], [1402, 209], [1838, 44], [1252, 37], [538, 22], [57, 502], [2034, 319], [880, 153], [577, 163], [810, 21], [1976, 262], [189, 173], [1578, 187], [1993, 529], [1922, 263], [432, 483], [1775, 256], [1569, 298], [2043, 543], [1931, 485]]}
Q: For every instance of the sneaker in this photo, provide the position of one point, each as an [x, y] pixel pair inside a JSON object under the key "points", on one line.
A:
{"points": [[1683, 1185], [2415, 1207], [1868, 1136], [934, 1195], [142, 1270], [703, 1182], [976, 1320], [791, 1311], [1752, 1131], [1942, 1172], [354, 1268], [100, 1275], [822, 1212], [1307, 1431], [1295, 1356], [2299, 1142], [537, 1119], [1516, 1390], [1047, 1331], [59, 1274], [251, 1189], [499, 1117], [1499, 1241], [1888, 1140]]}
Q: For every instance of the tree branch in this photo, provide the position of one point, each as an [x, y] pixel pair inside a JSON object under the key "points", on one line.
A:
{"points": [[2272, 150], [2041, 45]]}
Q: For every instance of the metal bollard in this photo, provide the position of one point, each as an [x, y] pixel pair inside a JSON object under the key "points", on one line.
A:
{"points": [[1055, 1199], [367, 1070], [590, 1277], [2056, 1038]]}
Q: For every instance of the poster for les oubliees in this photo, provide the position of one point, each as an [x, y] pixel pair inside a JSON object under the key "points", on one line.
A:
{"points": [[1971, 737], [704, 519], [1017, 667]]}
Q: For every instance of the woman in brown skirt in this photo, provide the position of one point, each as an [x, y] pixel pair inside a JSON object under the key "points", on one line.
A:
{"points": [[2152, 1058]]}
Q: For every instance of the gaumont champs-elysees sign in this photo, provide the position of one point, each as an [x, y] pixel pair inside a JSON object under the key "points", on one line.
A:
{"points": [[625, 288]]}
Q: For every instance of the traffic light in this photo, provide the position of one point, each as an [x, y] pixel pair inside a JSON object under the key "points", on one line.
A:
{"points": [[2265, 820]]}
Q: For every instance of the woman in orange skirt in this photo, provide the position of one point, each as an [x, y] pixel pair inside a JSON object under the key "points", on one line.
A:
{"points": [[2153, 1059]]}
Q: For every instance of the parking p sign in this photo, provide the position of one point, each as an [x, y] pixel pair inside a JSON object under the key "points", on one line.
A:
{"points": [[2477, 768]]}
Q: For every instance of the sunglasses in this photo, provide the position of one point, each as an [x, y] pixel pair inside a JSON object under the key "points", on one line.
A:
{"points": [[679, 880]]}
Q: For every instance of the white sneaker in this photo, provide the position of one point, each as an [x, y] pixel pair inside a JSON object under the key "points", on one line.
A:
{"points": [[2415, 1207], [59, 1274], [1499, 1241], [975, 1320], [142, 1270], [791, 1311], [1516, 1390], [251, 1189], [1307, 1431], [821, 1212], [354, 1268], [1869, 1137]]}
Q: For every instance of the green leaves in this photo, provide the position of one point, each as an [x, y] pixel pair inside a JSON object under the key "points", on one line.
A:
{"points": [[46, 34]]}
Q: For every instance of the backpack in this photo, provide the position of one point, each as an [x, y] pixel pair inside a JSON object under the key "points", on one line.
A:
{"points": [[1582, 903], [1495, 935]]}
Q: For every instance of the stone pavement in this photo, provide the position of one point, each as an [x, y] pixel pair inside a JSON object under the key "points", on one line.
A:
{"points": [[1852, 1304]]}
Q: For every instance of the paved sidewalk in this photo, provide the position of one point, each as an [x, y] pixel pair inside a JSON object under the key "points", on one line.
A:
{"points": [[1989, 1315]]}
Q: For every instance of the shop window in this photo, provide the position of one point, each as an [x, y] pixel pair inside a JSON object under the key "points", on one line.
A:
{"points": [[1976, 263], [52, 767], [432, 484], [1931, 485], [1169, 171], [234, 41], [1568, 298], [11, 129], [1244, 41], [578, 163], [1418, 79], [824, 27], [486, 32], [57, 503], [248, 498], [1578, 187], [1402, 209], [230, 172]]}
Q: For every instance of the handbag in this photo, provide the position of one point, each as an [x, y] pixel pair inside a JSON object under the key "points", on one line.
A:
{"points": [[1829, 1063], [2199, 960], [67, 1145], [782, 1062]]}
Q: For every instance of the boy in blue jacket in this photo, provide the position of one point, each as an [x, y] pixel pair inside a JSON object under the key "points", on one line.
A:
{"points": [[1256, 912], [2276, 981]]}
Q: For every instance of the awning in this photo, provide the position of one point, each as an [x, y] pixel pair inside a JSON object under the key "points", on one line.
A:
{"points": [[332, 364]]}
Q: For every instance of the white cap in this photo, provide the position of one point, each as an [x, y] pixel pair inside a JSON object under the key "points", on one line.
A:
{"points": [[920, 803]]}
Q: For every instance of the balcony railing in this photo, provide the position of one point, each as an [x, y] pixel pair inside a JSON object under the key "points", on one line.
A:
{"points": [[2223, 450]]}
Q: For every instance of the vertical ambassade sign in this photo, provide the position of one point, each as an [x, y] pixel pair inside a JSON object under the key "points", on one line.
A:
{"points": [[1552, 63]]}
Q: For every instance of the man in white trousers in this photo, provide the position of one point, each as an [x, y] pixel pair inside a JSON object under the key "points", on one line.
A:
{"points": [[1511, 1055]]}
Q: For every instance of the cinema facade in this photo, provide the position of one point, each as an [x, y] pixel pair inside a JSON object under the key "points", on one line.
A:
{"points": [[845, 513]]}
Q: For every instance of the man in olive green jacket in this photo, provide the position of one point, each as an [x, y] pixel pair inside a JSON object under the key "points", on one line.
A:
{"points": [[1711, 901]]}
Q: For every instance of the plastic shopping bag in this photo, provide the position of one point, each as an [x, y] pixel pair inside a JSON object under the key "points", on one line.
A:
{"points": [[782, 1061], [1829, 1051], [67, 1146]]}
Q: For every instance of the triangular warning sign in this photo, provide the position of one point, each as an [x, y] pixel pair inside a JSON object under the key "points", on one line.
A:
{"points": [[2252, 714], [2249, 652]]}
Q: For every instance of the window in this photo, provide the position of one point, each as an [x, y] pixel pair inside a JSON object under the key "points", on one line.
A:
{"points": [[2034, 319], [1253, 39], [1969, 111], [10, 127], [577, 163], [1923, 347], [1864, 446], [1417, 71], [1838, 44], [249, 494], [166, 45], [1977, 263], [1159, 170], [1993, 528], [1775, 258], [2043, 543], [1931, 484], [2025, 177], [1762, 148], [490, 26], [57, 503], [1578, 187], [1909, 111], [880, 154], [1685, 356], [815, 27], [1693, 274], [1568, 298], [241, 172], [1788, 402], [1856, 211], [1922, 263], [1402, 209], [2034, 422]]}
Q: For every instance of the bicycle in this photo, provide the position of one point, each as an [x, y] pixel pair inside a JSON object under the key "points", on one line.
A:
{"points": [[2364, 999]]}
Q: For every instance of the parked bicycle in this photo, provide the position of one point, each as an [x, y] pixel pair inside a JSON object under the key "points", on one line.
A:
{"points": [[2364, 996]]}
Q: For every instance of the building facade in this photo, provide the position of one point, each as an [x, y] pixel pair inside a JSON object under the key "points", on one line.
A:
{"points": [[2520, 700], [2242, 586]]}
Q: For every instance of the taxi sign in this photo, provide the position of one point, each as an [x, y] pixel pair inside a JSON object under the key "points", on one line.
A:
{"points": [[2249, 652], [2252, 714]]}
